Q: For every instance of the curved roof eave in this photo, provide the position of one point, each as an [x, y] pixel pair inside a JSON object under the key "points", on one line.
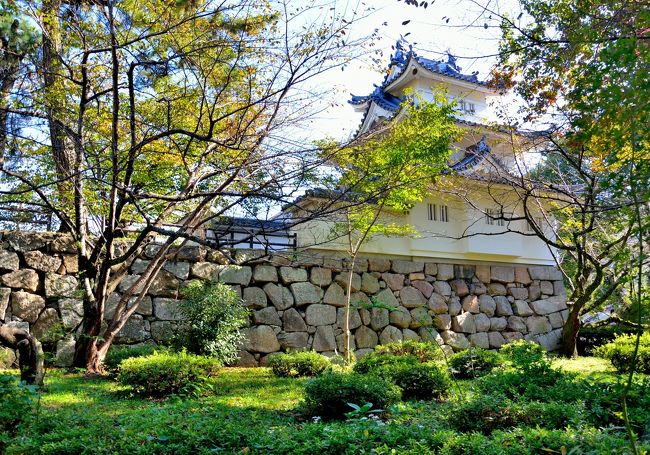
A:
{"points": [[432, 67]]}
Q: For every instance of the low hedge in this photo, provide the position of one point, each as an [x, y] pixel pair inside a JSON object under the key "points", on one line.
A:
{"points": [[378, 363], [422, 350], [165, 373], [487, 413], [591, 337], [621, 353], [474, 363], [299, 364], [327, 396], [423, 381], [117, 354]]}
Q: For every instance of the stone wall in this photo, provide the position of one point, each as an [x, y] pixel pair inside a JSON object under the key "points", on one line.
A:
{"points": [[298, 302]]}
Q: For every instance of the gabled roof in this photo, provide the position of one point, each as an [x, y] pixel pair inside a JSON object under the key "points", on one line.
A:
{"points": [[474, 154], [400, 61], [383, 99]]}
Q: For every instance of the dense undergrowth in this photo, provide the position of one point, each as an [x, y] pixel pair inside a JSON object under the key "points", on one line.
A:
{"points": [[252, 411]]}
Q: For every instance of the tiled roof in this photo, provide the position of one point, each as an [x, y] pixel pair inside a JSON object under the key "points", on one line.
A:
{"points": [[401, 59], [474, 154], [383, 99]]}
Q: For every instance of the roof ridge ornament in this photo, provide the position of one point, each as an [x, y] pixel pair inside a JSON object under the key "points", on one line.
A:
{"points": [[451, 62], [401, 55]]}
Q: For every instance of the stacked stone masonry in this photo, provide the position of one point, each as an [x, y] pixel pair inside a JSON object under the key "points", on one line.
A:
{"points": [[298, 301]]}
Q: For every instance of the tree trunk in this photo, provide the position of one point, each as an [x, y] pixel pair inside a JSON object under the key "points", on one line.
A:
{"points": [[54, 91], [29, 351], [86, 345], [346, 324], [570, 333]]}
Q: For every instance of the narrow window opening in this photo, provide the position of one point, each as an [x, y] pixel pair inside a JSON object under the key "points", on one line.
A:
{"points": [[494, 217], [444, 213], [432, 212]]}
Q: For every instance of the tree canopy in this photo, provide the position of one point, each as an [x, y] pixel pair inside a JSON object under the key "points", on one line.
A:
{"points": [[154, 119]]}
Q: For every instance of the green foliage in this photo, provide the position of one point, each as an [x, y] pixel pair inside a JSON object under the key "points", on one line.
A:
{"points": [[416, 380], [299, 364], [533, 441], [474, 362], [424, 351], [398, 166], [378, 363], [526, 356], [17, 402], [421, 381], [527, 384], [486, 413], [327, 396], [163, 374], [591, 337], [362, 412], [214, 316], [18, 35], [118, 353], [254, 412], [621, 353]]}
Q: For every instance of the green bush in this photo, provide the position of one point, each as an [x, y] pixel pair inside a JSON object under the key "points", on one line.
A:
{"points": [[17, 401], [486, 413], [526, 356], [299, 364], [542, 385], [591, 337], [117, 354], [328, 395], [378, 364], [165, 373], [416, 380], [422, 350], [420, 381], [621, 352], [214, 317], [4, 358], [474, 363]]}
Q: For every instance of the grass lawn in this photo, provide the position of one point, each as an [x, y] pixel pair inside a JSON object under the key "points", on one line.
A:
{"points": [[252, 411]]}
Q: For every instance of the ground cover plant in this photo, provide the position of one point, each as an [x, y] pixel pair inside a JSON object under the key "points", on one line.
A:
{"points": [[254, 411], [299, 364], [18, 401]]}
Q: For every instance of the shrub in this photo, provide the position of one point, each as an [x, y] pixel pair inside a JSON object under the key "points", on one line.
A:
{"points": [[328, 395], [117, 354], [487, 413], [214, 316], [591, 337], [474, 363], [421, 381], [526, 356], [17, 401], [621, 352], [417, 380], [164, 373], [378, 364], [542, 385], [422, 350], [299, 364], [4, 358]]}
